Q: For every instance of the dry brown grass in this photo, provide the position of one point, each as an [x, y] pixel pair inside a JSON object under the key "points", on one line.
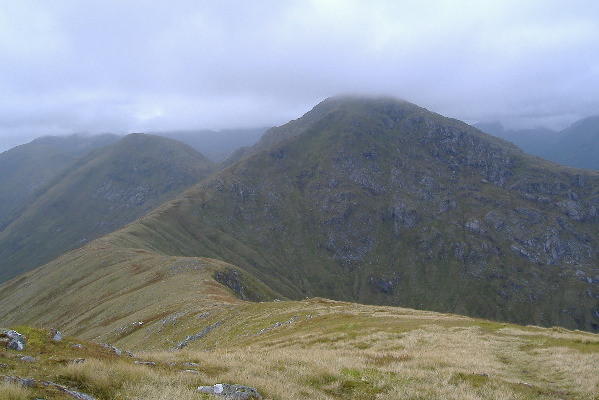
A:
{"points": [[319, 349], [342, 351], [9, 391], [126, 380]]}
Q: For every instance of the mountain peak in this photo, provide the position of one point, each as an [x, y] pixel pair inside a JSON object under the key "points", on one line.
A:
{"points": [[377, 106]]}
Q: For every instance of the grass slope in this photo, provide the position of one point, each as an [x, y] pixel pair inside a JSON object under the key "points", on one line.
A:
{"points": [[108, 294]]}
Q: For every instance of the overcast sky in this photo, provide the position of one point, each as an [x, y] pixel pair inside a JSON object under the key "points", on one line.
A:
{"points": [[121, 66]]}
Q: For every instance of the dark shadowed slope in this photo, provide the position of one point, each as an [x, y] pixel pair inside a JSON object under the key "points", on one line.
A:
{"points": [[101, 192]]}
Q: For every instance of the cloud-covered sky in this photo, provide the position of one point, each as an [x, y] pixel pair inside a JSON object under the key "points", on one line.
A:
{"points": [[120, 66]]}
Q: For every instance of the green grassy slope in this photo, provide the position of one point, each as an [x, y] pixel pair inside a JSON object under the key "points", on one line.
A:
{"points": [[99, 193]]}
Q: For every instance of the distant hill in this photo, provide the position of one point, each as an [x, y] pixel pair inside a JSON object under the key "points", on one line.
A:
{"points": [[576, 146], [100, 192], [379, 201], [25, 169]]}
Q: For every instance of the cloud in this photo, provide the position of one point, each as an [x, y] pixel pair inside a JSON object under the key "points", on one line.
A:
{"points": [[134, 65]]}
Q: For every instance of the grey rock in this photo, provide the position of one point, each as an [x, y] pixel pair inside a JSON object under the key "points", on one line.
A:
{"points": [[28, 359], [16, 341], [231, 392], [56, 335], [381, 284], [199, 335], [145, 362], [15, 380], [73, 393], [118, 352], [190, 364]]}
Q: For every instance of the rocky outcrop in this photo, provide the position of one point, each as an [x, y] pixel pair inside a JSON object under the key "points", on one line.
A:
{"points": [[15, 380], [70, 392], [190, 338], [31, 382], [13, 339]]}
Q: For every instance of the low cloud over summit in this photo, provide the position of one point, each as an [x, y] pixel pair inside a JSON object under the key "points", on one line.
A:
{"points": [[123, 66]]}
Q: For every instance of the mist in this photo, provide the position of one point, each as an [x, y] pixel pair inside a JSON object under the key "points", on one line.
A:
{"points": [[136, 66]]}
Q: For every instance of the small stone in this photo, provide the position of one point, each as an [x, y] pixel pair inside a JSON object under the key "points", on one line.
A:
{"points": [[56, 335], [145, 362], [28, 359], [117, 351]]}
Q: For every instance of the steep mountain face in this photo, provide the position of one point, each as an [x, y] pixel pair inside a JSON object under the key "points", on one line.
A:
{"points": [[101, 192], [26, 169], [380, 201]]}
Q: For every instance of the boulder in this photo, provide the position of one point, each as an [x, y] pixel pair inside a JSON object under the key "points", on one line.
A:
{"points": [[231, 392], [15, 340]]}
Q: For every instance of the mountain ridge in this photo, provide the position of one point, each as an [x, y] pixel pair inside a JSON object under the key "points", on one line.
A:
{"points": [[383, 202]]}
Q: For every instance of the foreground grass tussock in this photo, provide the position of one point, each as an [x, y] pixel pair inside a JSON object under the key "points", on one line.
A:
{"points": [[320, 349]]}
